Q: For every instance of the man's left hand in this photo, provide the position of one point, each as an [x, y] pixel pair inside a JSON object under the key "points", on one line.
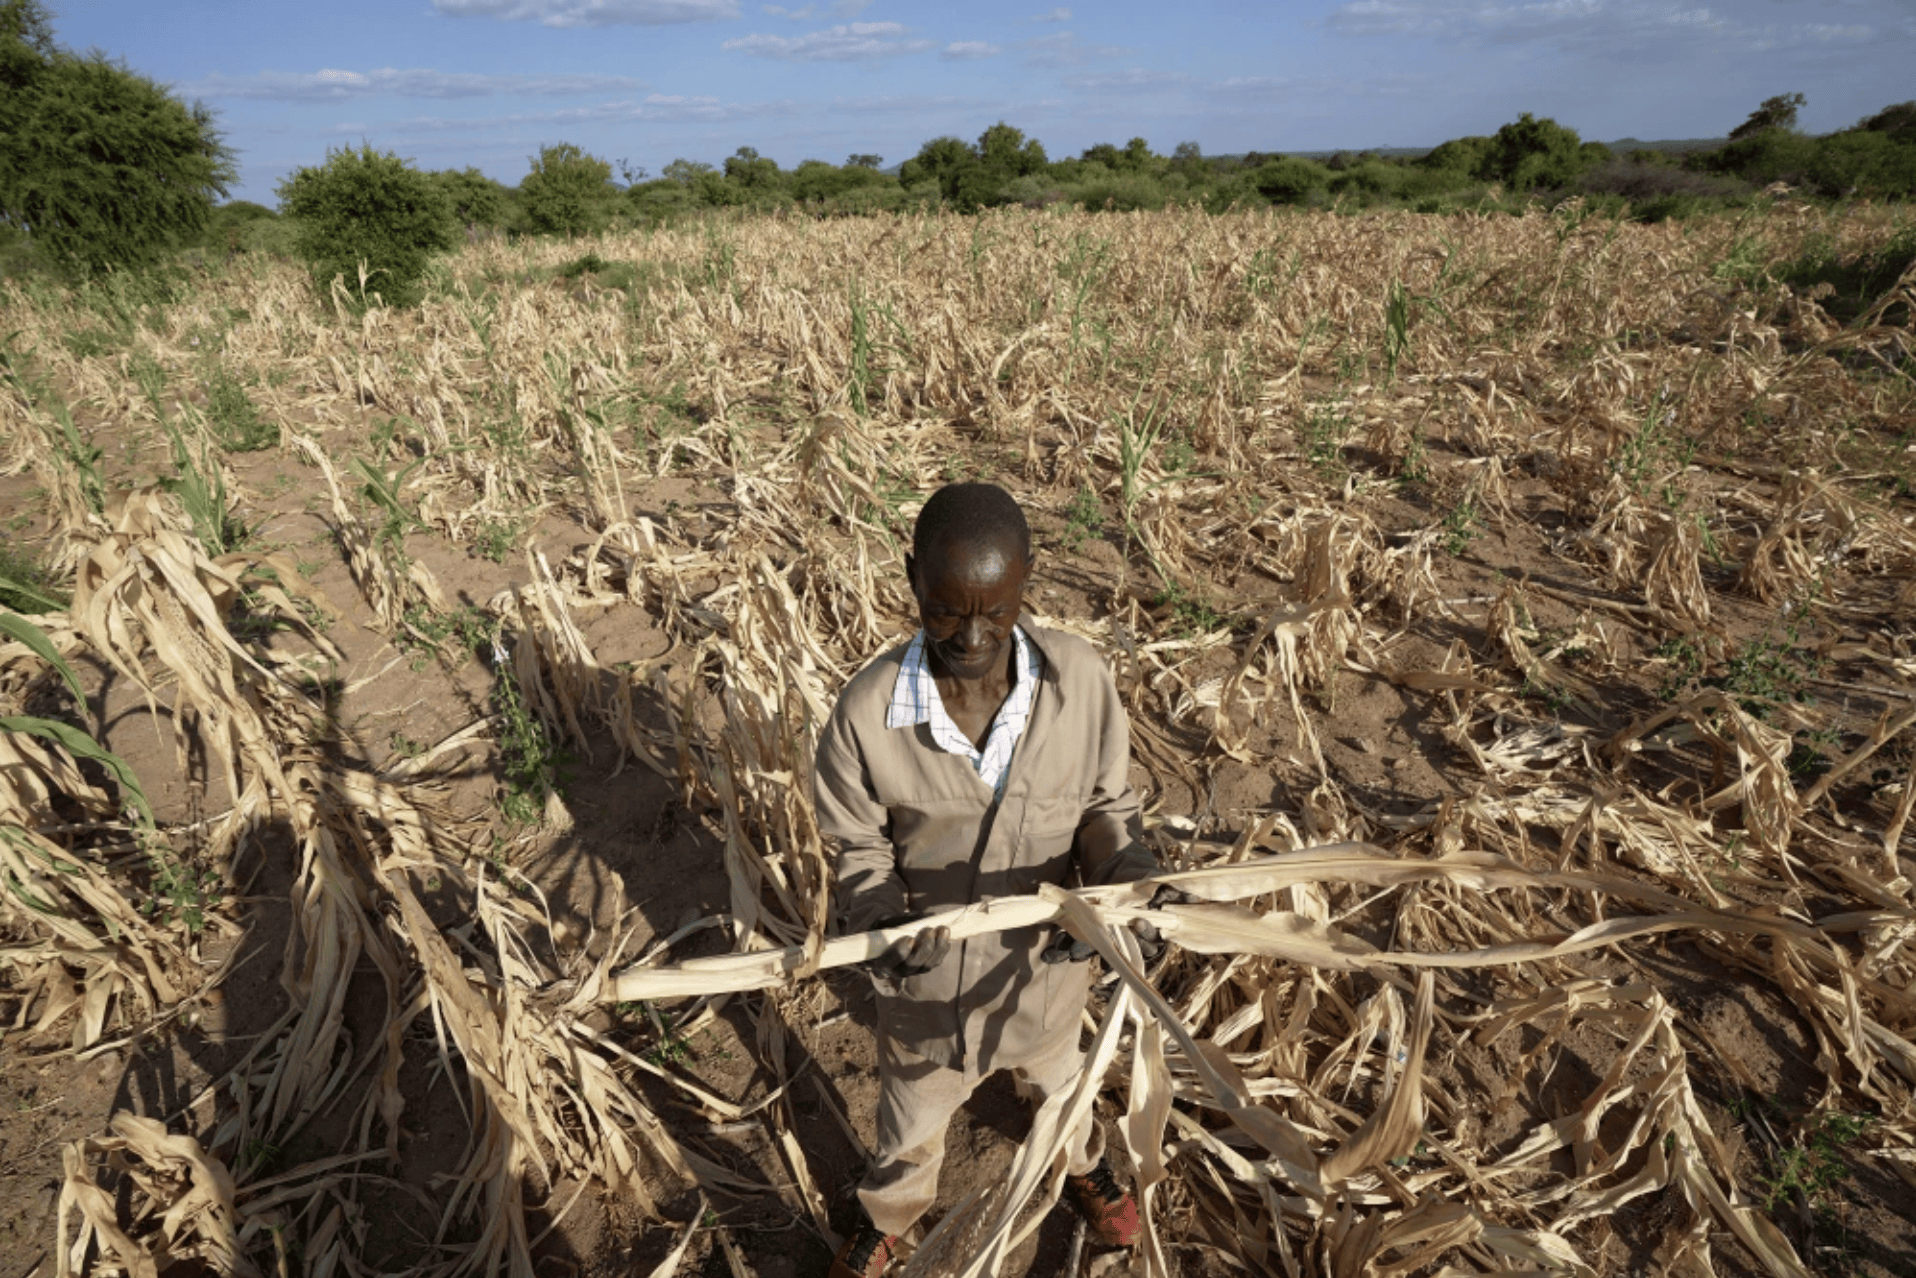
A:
{"points": [[1066, 948]]}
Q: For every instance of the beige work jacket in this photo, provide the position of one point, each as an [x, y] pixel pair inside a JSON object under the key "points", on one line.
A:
{"points": [[919, 831]]}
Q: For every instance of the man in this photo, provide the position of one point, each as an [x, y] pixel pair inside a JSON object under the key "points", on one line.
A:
{"points": [[979, 760]]}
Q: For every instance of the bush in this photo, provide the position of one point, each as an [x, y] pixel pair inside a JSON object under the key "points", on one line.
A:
{"points": [[101, 167], [1898, 121], [817, 180], [475, 199], [1459, 155], [371, 207], [1858, 282], [1528, 153], [567, 192], [1774, 155], [659, 199], [235, 418], [232, 226], [1289, 180], [1869, 163], [1122, 194], [1638, 181]]}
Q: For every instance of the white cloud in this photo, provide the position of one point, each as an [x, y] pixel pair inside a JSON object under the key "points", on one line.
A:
{"points": [[837, 9], [656, 108], [970, 50], [592, 13], [1060, 14], [1635, 29], [1064, 49], [330, 85], [1131, 80], [848, 42]]}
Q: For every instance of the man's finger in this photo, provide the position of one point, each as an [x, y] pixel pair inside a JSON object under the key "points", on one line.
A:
{"points": [[931, 947], [1168, 895], [1065, 948]]}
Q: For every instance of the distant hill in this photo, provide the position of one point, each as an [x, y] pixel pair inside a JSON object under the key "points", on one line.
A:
{"points": [[1676, 146]]}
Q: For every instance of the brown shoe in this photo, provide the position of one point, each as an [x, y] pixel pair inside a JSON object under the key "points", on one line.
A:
{"points": [[866, 1254], [1111, 1212]]}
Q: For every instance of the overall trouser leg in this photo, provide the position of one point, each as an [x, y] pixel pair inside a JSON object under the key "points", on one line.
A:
{"points": [[916, 1101]]}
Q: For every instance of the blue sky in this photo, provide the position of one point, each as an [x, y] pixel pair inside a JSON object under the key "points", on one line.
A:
{"points": [[452, 83]]}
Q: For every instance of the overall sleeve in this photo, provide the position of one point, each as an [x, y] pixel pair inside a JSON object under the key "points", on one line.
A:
{"points": [[1108, 840], [868, 884]]}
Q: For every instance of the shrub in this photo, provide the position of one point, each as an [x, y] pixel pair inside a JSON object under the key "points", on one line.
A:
{"points": [[475, 199], [1774, 155], [1459, 155], [371, 207], [817, 180], [1289, 180], [1529, 153], [659, 199], [101, 167], [1638, 180], [1870, 163], [567, 192], [1898, 121], [1121, 194], [1857, 281], [1778, 112], [235, 418]]}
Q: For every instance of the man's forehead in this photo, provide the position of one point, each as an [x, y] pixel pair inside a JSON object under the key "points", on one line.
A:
{"points": [[974, 549]]}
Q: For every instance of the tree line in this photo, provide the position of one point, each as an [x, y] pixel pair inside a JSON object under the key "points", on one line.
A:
{"points": [[102, 169]]}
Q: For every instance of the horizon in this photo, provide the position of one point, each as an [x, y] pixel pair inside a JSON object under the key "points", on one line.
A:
{"points": [[486, 83]]}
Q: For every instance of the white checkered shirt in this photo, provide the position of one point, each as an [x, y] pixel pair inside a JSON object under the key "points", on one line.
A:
{"points": [[915, 700]]}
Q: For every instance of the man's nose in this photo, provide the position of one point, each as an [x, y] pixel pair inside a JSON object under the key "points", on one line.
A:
{"points": [[974, 633]]}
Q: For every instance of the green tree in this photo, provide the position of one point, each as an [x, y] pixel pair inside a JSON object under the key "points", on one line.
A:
{"points": [[940, 161], [1899, 121], [475, 199], [1006, 150], [100, 167], [1289, 180], [975, 176], [368, 207], [1530, 153], [685, 172], [1462, 156], [567, 191], [1778, 112], [27, 24], [864, 160], [752, 172], [817, 180]]}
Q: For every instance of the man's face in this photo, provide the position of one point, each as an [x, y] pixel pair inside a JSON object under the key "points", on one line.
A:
{"points": [[969, 592]]}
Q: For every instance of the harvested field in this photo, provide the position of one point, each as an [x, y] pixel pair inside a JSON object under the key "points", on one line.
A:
{"points": [[1562, 565]]}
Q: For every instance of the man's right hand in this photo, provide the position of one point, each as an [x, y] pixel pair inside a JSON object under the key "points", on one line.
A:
{"points": [[913, 956]]}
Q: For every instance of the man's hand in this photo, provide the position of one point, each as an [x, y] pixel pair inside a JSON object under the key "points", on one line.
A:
{"points": [[913, 956], [1065, 948]]}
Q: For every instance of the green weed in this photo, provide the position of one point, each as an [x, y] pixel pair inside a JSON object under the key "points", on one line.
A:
{"points": [[235, 418], [497, 538], [200, 484], [531, 761], [1810, 1168], [1189, 616], [383, 491], [1325, 430], [1461, 526], [1083, 519], [26, 586]]}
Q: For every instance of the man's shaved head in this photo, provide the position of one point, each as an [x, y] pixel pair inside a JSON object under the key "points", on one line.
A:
{"points": [[972, 513]]}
